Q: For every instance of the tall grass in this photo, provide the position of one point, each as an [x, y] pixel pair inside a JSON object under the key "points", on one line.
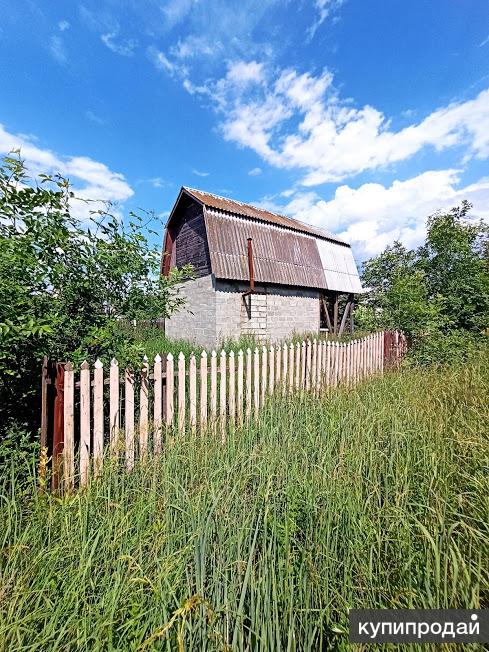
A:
{"points": [[155, 341], [375, 497]]}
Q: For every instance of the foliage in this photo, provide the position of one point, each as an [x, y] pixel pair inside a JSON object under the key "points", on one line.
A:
{"points": [[441, 287], [374, 497], [18, 457], [66, 281]]}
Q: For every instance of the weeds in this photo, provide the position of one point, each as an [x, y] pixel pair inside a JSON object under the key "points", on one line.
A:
{"points": [[375, 497]]}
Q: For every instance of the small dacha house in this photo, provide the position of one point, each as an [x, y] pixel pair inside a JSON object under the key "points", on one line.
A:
{"points": [[256, 273]]}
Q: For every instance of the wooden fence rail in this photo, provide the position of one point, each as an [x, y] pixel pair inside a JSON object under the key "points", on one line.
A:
{"points": [[95, 412]]}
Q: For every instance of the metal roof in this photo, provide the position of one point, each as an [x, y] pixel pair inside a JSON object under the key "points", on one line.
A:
{"points": [[279, 256], [285, 251], [255, 213]]}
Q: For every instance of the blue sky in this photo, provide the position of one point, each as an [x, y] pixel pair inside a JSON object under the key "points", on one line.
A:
{"points": [[361, 117]]}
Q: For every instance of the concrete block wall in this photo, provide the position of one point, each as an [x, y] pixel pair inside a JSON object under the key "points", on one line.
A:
{"points": [[197, 320], [292, 310], [216, 310], [273, 313]]}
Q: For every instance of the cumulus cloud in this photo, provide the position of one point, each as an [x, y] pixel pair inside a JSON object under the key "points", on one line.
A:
{"points": [[298, 122], [372, 216], [91, 179]]}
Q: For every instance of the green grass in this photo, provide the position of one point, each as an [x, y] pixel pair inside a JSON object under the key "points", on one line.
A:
{"points": [[154, 341], [376, 497]]}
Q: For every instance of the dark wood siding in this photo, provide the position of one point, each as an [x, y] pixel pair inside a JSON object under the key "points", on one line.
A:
{"points": [[190, 241]]}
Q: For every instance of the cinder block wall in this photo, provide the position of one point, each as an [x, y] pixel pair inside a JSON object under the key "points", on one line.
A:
{"points": [[215, 310], [197, 320], [273, 313]]}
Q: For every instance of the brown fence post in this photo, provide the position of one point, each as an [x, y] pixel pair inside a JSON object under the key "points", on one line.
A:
{"points": [[58, 424]]}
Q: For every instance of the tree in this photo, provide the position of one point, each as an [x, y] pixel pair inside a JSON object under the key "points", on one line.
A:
{"points": [[455, 261], [66, 283], [441, 286]]}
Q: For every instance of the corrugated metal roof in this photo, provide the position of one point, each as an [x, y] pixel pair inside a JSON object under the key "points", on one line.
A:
{"points": [[255, 213], [285, 251], [339, 267], [279, 256]]}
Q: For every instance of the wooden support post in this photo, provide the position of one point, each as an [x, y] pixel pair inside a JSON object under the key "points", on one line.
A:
{"points": [[58, 425], [345, 314], [335, 313], [328, 318]]}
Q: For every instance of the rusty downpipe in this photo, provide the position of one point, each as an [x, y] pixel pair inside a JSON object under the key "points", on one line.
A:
{"points": [[250, 264]]}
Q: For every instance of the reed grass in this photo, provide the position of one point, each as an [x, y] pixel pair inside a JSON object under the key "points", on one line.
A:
{"points": [[374, 497]]}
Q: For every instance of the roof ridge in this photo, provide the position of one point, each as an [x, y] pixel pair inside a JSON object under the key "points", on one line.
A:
{"points": [[326, 234]]}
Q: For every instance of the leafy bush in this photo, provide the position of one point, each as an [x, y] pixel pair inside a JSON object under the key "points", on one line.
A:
{"points": [[66, 280]]}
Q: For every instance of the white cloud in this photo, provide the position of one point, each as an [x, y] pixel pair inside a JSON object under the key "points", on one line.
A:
{"points": [[123, 47], [484, 42], [324, 8], [297, 121], [200, 174], [57, 49], [91, 179], [63, 25], [194, 46], [255, 172], [372, 216]]}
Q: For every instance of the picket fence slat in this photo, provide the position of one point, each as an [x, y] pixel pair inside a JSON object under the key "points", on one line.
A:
{"points": [[189, 397], [129, 418], [98, 416], [84, 422], [157, 405], [114, 407], [181, 393], [193, 392], [248, 385], [213, 388], [240, 387], [256, 381], [144, 409], [222, 395], [170, 389], [232, 388], [69, 429], [203, 390]]}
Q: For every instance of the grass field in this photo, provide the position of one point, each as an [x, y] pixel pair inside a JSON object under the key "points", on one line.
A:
{"points": [[376, 497]]}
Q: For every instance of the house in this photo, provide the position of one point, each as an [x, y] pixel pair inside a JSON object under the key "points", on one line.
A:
{"points": [[256, 272]]}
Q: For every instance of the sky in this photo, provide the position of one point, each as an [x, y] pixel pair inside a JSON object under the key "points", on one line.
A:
{"points": [[359, 117]]}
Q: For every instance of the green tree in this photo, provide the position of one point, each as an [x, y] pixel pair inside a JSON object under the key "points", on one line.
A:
{"points": [[398, 295], [439, 289], [65, 283], [455, 261]]}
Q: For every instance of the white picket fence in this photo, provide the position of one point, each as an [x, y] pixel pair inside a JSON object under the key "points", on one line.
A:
{"points": [[183, 395]]}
